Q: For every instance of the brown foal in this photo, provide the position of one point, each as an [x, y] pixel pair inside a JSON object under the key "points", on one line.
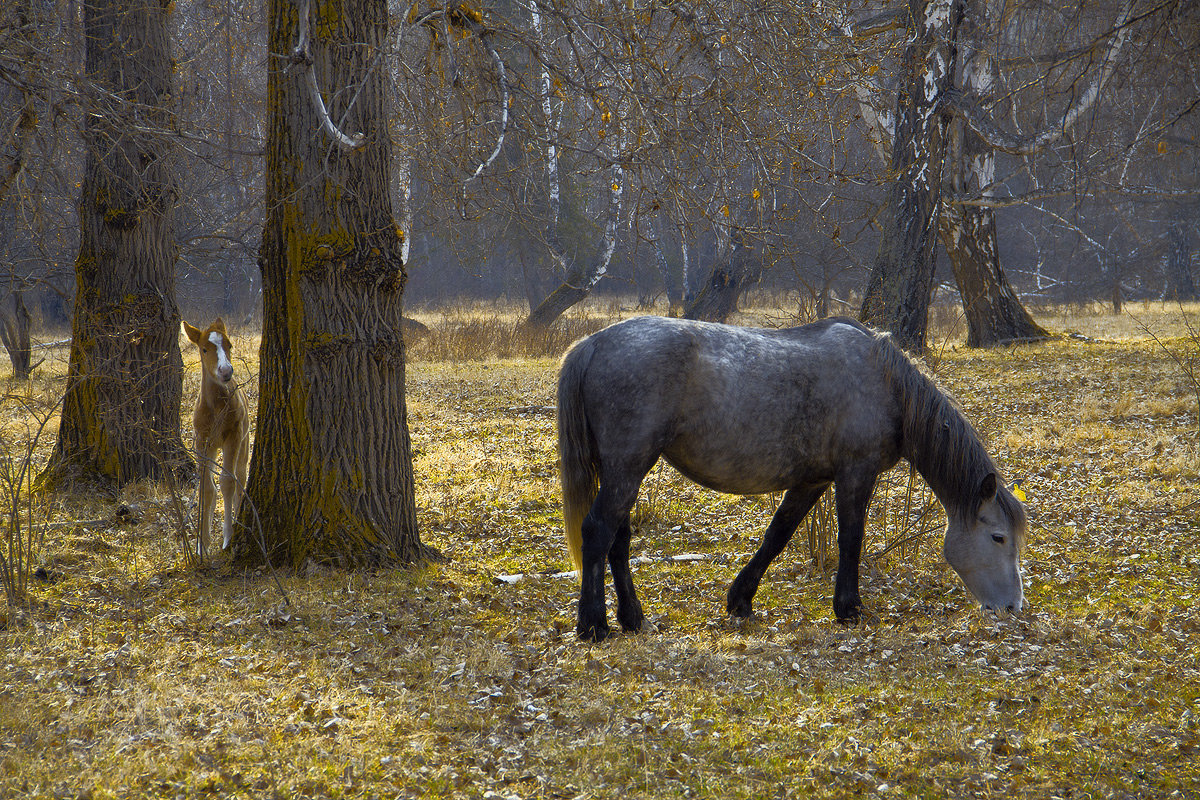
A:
{"points": [[221, 423]]}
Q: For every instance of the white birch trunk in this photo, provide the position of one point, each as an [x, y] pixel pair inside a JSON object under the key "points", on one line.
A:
{"points": [[901, 282]]}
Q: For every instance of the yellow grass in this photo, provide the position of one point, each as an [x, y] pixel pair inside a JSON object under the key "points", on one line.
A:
{"points": [[131, 676]]}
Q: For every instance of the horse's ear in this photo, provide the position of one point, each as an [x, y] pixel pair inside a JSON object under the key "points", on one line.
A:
{"points": [[219, 325], [192, 332], [987, 489]]}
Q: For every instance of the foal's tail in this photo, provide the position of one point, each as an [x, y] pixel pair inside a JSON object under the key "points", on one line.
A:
{"points": [[576, 449]]}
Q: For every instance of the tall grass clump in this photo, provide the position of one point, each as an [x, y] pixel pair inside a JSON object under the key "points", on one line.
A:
{"points": [[24, 421], [472, 333], [903, 511]]}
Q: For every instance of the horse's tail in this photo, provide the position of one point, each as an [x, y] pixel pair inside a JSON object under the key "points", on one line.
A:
{"points": [[576, 449]]}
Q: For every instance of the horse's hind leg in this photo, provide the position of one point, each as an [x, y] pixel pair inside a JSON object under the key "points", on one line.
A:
{"points": [[629, 608], [600, 532], [796, 503]]}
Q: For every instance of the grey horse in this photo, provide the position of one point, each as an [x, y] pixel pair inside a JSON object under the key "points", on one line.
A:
{"points": [[748, 411]]}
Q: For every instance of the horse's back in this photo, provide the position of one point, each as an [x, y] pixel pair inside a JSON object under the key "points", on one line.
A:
{"points": [[741, 410]]}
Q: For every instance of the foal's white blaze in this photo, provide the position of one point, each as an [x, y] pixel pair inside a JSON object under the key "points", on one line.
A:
{"points": [[224, 369]]}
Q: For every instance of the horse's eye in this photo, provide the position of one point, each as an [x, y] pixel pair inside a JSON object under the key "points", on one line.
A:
{"points": [[998, 538]]}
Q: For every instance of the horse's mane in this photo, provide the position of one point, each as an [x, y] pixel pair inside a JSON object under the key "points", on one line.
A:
{"points": [[939, 441]]}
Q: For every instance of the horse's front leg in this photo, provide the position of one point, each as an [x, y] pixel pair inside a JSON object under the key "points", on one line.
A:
{"points": [[208, 497], [629, 608], [796, 504], [233, 481], [853, 494]]}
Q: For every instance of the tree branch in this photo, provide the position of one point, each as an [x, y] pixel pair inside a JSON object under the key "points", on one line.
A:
{"points": [[301, 56], [971, 110], [476, 26]]}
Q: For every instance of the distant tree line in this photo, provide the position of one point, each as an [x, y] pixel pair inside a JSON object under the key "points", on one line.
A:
{"points": [[673, 150], [158, 156]]}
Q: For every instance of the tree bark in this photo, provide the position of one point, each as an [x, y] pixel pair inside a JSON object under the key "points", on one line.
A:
{"points": [[120, 416], [331, 477], [901, 283], [718, 297], [14, 332], [1180, 286], [993, 311]]}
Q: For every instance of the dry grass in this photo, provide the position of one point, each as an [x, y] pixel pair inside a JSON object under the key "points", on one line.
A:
{"points": [[130, 676]]}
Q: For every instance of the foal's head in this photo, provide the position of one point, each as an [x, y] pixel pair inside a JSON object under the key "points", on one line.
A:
{"points": [[215, 350]]}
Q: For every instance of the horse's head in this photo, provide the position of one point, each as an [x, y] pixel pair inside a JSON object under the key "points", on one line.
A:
{"points": [[984, 547], [215, 350]]}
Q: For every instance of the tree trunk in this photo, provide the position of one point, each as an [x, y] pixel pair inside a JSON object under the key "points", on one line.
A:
{"points": [[120, 416], [993, 311], [730, 276], [557, 303], [19, 146], [580, 276], [901, 283], [14, 332], [331, 478], [1180, 286], [673, 279]]}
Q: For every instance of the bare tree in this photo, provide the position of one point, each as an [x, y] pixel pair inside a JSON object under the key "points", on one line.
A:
{"points": [[120, 417], [901, 284], [1179, 283], [607, 112], [992, 309], [331, 477], [731, 133]]}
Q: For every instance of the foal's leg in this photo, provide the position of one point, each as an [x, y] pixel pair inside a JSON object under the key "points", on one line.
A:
{"points": [[608, 514], [853, 494], [629, 608], [233, 476], [208, 496], [796, 503]]}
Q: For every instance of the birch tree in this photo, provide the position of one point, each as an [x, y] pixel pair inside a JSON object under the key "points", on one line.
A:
{"points": [[994, 313], [606, 112], [966, 220], [901, 283]]}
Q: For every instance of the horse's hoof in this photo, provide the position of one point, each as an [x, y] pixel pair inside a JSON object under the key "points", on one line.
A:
{"points": [[848, 613], [592, 633], [740, 608], [633, 625]]}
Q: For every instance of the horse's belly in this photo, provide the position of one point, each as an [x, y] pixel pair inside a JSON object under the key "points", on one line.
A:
{"points": [[735, 472]]}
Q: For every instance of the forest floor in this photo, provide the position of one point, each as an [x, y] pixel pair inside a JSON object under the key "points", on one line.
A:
{"points": [[129, 674]]}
